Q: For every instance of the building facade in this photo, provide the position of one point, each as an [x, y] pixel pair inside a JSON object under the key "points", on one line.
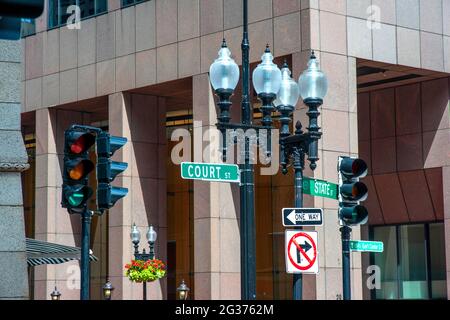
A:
{"points": [[140, 70]]}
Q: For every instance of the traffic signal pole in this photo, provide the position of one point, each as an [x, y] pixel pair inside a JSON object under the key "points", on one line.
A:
{"points": [[350, 212], [76, 191], [86, 218], [345, 237]]}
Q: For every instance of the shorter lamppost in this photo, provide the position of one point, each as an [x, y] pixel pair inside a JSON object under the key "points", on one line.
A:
{"points": [[312, 87], [135, 236], [107, 290], [55, 295], [183, 291]]}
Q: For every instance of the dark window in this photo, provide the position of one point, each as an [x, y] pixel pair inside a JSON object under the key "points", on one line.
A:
{"points": [[412, 265], [126, 3], [28, 27], [58, 15]]}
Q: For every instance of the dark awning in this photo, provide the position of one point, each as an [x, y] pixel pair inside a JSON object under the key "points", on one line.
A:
{"points": [[42, 252]]}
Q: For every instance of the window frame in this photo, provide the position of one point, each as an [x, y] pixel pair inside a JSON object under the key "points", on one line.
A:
{"points": [[135, 2], [426, 226], [77, 2]]}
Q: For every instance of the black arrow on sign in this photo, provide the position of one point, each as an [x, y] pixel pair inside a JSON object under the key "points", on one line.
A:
{"points": [[306, 246]]}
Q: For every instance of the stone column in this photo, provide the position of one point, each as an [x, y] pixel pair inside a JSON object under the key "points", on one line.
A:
{"points": [[216, 210], [54, 223], [13, 160], [141, 119]]}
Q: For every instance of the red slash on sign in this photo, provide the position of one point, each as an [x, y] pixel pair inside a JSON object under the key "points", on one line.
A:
{"points": [[301, 252]]}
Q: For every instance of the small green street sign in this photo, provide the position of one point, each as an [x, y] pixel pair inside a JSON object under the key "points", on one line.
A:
{"points": [[217, 172], [320, 188], [366, 246]]}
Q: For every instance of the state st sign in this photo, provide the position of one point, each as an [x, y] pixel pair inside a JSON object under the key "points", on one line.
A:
{"points": [[217, 172], [320, 188]]}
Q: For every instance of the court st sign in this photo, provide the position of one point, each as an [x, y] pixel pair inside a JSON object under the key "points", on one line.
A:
{"points": [[210, 171], [366, 246], [320, 188]]}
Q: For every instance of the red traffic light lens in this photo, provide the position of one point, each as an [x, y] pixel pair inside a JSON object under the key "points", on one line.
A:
{"points": [[353, 168], [359, 168], [82, 144]]}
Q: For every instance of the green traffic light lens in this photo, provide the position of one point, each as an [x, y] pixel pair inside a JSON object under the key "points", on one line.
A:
{"points": [[76, 199], [353, 215]]}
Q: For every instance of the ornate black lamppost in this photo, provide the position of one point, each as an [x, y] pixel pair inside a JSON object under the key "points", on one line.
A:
{"points": [[312, 87], [224, 77], [135, 236]]}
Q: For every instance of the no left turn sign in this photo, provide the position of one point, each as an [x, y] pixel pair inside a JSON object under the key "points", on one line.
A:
{"points": [[301, 252]]}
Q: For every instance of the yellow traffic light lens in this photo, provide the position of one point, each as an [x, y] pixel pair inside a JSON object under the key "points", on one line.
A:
{"points": [[81, 170], [76, 173]]}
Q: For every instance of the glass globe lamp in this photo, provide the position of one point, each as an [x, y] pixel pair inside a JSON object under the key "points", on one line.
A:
{"points": [[313, 83]]}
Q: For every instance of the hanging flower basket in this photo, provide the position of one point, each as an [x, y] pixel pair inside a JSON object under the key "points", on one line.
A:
{"points": [[145, 271]]}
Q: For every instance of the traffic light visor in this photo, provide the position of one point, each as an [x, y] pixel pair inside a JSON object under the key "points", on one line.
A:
{"points": [[116, 143], [82, 143], [107, 195], [353, 167]]}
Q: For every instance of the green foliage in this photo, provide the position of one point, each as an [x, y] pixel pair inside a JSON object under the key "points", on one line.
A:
{"points": [[145, 271]]}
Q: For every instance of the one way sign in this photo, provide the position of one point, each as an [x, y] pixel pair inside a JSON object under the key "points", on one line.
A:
{"points": [[293, 217]]}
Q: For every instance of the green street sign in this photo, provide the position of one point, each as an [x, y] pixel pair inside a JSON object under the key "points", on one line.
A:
{"points": [[210, 172], [320, 188], [366, 246]]}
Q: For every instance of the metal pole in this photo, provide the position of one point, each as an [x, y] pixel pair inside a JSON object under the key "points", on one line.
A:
{"points": [[152, 250], [144, 294], [298, 187], [345, 236], [84, 260], [247, 226]]}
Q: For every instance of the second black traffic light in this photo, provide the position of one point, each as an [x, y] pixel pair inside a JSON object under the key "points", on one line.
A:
{"points": [[107, 170], [352, 191]]}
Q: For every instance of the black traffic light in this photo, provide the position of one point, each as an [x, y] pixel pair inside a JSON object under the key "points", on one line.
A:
{"points": [[12, 12], [352, 191], [107, 170], [77, 166]]}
